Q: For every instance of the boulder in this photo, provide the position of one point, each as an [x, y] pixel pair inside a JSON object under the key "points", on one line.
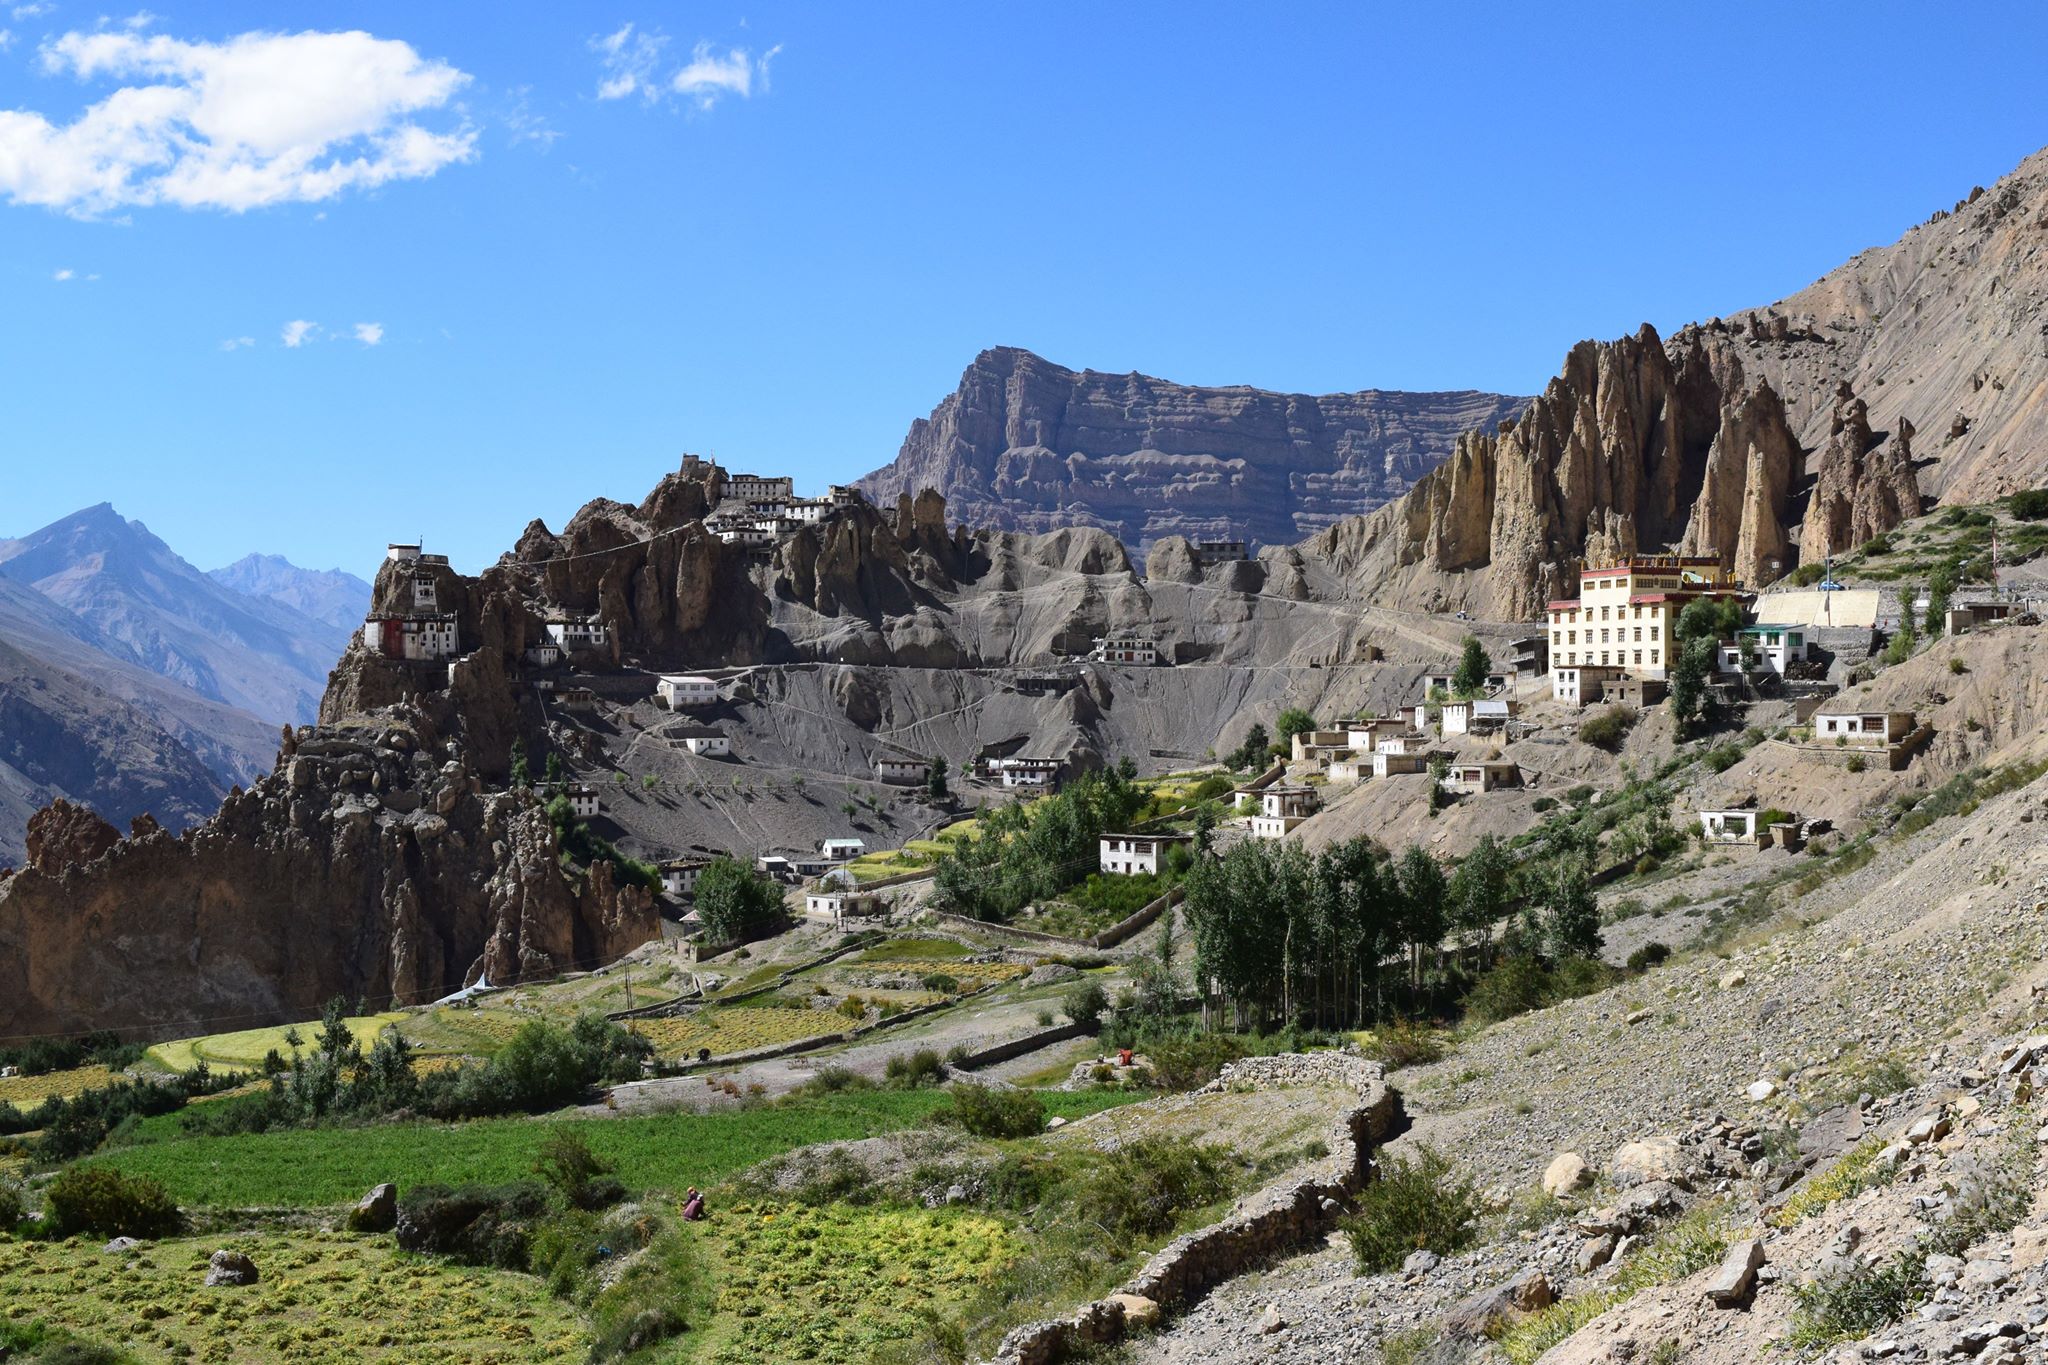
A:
{"points": [[1566, 1172], [1650, 1158], [230, 1267], [1420, 1262], [1734, 979], [1482, 1313], [1139, 1311], [120, 1246], [1735, 1281], [1759, 1091], [376, 1211], [1271, 1321], [1593, 1253]]}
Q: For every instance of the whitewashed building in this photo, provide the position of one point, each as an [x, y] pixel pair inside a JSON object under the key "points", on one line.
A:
{"points": [[837, 903], [1732, 827], [1471, 778], [1581, 684], [1880, 727], [1126, 649], [1281, 808], [1476, 717], [747, 488], [686, 691], [412, 637], [899, 771], [583, 802], [1133, 854], [573, 633], [544, 655], [679, 875], [703, 740], [1037, 773], [1768, 648], [839, 850]]}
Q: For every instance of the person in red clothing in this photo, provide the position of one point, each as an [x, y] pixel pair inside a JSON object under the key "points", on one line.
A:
{"points": [[693, 1206], [1123, 1056]]}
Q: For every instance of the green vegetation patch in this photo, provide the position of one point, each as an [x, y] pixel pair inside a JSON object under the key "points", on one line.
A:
{"points": [[1689, 1245], [246, 1049], [322, 1297], [835, 1282], [328, 1166]]}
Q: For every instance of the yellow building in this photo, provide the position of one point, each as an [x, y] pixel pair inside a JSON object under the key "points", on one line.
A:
{"points": [[1623, 615]]}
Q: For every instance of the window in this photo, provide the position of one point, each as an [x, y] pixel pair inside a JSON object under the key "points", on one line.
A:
{"points": [[1603, 657], [1639, 634], [1653, 633], [1639, 656], [1603, 613]]}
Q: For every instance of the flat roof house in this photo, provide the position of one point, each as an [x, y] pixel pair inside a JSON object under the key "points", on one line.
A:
{"points": [[1880, 727], [574, 698], [1395, 762], [546, 654], [1730, 827], [1476, 717], [412, 637], [1281, 808], [683, 691], [679, 875], [837, 903], [1248, 794], [839, 850], [1769, 647], [1581, 685], [900, 771], [1474, 777], [1968, 616], [1126, 649], [1309, 740], [573, 633], [703, 740], [1132, 854], [1029, 772], [583, 802]]}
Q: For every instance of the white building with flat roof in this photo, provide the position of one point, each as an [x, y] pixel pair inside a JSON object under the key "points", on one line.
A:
{"points": [[573, 633], [703, 740], [1134, 854], [685, 691], [899, 771]]}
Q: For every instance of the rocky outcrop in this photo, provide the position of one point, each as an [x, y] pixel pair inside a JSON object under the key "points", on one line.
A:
{"points": [[1635, 445], [370, 864], [1028, 445], [1863, 485]]}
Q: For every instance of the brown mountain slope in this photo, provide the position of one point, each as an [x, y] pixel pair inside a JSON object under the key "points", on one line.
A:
{"points": [[1027, 445], [1916, 370]]}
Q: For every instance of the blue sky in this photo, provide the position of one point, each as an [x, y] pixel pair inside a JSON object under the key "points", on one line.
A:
{"points": [[776, 233]]}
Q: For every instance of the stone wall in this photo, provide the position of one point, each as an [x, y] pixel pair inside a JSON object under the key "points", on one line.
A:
{"points": [[1275, 1220]]}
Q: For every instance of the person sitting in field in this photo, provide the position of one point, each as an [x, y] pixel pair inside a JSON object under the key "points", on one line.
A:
{"points": [[693, 1206], [1123, 1056]]}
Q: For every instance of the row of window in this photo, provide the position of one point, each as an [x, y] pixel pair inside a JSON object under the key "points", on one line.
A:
{"points": [[1571, 637], [1619, 656], [1570, 615]]}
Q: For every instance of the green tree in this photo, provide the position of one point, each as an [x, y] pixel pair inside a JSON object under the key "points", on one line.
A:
{"points": [[935, 782], [1424, 893], [734, 901], [1252, 754], [1469, 678], [1689, 674], [521, 776], [1439, 769], [1571, 916], [1941, 587], [1294, 721], [556, 775], [1708, 618], [1479, 892]]}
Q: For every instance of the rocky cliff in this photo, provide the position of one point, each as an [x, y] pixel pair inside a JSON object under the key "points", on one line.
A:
{"points": [[1767, 438], [1029, 445], [372, 863]]}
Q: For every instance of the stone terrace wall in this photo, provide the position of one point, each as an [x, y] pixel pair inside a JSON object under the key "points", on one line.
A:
{"points": [[1276, 1219]]}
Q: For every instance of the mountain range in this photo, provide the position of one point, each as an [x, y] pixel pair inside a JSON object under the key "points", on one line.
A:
{"points": [[134, 683]]}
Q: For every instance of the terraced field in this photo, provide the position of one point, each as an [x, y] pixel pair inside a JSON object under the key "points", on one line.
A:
{"points": [[245, 1050], [739, 1029], [322, 1297], [26, 1092]]}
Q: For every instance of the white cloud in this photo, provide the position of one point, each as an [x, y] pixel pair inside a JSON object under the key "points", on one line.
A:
{"points": [[298, 332], [6, 39], [369, 333], [60, 275], [525, 125], [237, 343], [259, 119], [31, 11], [629, 59]]}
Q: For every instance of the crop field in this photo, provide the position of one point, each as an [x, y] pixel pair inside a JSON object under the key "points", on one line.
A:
{"points": [[912, 950], [970, 975], [27, 1092], [738, 1028], [322, 1297], [245, 1050], [833, 1283], [456, 1030], [323, 1167]]}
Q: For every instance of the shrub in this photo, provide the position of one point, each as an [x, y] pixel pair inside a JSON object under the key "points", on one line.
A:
{"points": [[1607, 729], [987, 1112], [2032, 505], [473, 1224], [1140, 1190], [99, 1199], [1192, 1062], [1084, 1003], [1403, 1043], [11, 1210], [1855, 1303], [1806, 575], [940, 982], [1855, 763], [1211, 787], [580, 1175], [1580, 794], [915, 1070], [1648, 956], [1418, 1205]]}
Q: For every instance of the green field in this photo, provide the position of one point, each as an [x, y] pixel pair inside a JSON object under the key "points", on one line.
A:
{"points": [[244, 1051], [328, 1166]]}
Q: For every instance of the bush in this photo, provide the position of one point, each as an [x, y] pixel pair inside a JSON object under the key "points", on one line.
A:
{"points": [[1856, 763], [99, 1199], [915, 1070], [1580, 794], [1403, 1043], [1806, 575], [1607, 729], [580, 1175], [2031, 505], [1140, 1190], [1084, 1003], [1543, 803], [1648, 956], [1411, 1206], [941, 982], [1211, 787], [474, 1224], [1855, 1303], [986, 1112], [1193, 1062], [11, 1210]]}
